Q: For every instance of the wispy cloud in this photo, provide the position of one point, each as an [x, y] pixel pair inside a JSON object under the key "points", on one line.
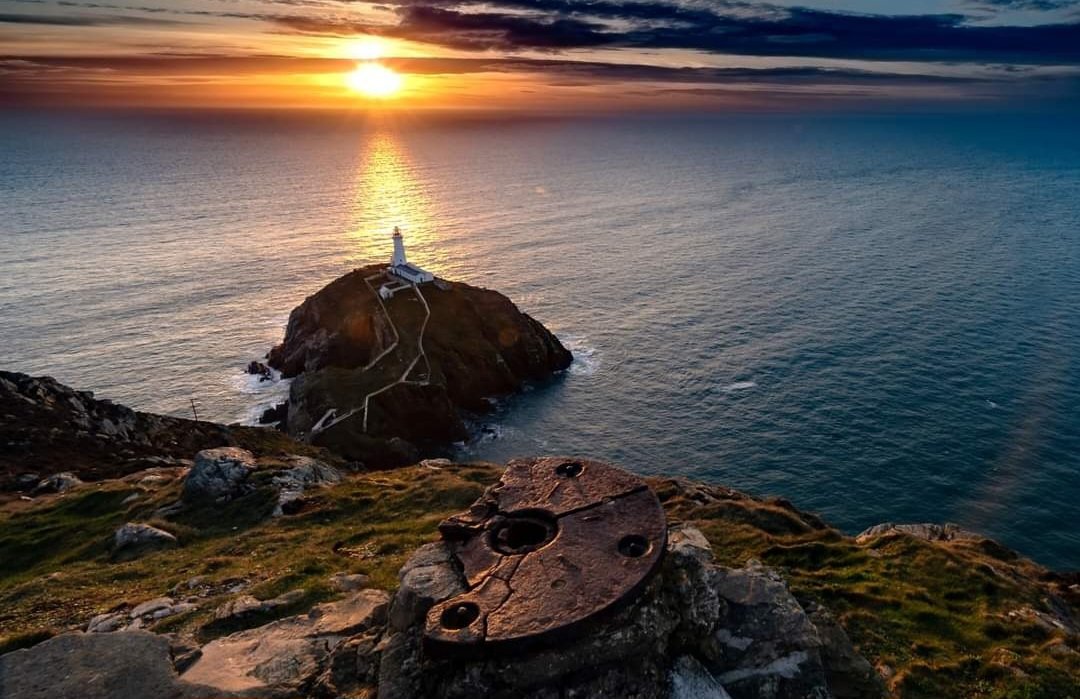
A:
{"points": [[723, 28]]}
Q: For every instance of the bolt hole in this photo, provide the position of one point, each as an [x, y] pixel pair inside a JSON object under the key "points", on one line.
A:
{"points": [[633, 546], [569, 469], [459, 616], [523, 532]]}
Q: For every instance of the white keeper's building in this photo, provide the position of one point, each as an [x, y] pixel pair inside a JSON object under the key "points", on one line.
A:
{"points": [[401, 267]]}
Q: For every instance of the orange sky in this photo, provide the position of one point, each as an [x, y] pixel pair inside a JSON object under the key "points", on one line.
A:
{"points": [[510, 55]]}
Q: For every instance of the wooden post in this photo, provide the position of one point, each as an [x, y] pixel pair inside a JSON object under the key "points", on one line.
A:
{"points": [[194, 410]]}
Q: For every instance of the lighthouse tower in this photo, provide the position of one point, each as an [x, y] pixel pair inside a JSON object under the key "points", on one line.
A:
{"points": [[398, 260], [402, 268]]}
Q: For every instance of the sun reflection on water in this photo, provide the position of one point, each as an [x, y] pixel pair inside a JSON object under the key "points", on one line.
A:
{"points": [[388, 194]]}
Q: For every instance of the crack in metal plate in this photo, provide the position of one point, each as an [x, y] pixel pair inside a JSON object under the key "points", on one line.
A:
{"points": [[555, 543]]}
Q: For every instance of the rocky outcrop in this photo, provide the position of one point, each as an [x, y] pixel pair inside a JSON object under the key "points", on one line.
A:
{"points": [[57, 483], [284, 657], [140, 616], [927, 532], [344, 344], [219, 475], [303, 473], [49, 428], [97, 666], [699, 630], [134, 539], [245, 607]]}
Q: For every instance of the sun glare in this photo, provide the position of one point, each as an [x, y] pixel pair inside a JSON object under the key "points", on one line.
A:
{"points": [[369, 48], [374, 80]]}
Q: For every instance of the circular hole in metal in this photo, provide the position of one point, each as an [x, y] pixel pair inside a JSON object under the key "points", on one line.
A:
{"points": [[569, 469], [522, 533], [633, 546], [459, 616]]}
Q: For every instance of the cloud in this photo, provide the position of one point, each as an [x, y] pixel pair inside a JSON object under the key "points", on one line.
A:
{"points": [[722, 28], [591, 71], [88, 20], [1024, 5]]}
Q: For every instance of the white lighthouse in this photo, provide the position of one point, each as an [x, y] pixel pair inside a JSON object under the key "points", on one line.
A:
{"points": [[400, 265]]}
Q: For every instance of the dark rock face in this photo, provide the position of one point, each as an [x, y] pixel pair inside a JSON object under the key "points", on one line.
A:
{"points": [[422, 356], [48, 427]]}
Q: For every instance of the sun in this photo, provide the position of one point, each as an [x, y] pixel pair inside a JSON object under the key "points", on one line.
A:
{"points": [[374, 80]]}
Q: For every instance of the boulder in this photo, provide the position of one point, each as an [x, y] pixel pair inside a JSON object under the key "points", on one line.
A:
{"points": [[259, 369], [106, 623], [345, 582], [154, 610], [57, 483], [97, 666], [247, 607], [275, 415], [133, 540], [292, 482], [219, 475], [284, 657]]}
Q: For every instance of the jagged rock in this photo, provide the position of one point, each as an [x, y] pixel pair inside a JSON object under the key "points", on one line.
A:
{"points": [[764, 646], [219, 475], [48, 427], [283, 657], [118, 665], [275, 415], [133, 540], [690, 680], [57, 483], [108, 622], [849, 675], [428, 577], [345, 582], [26, 481], [150, 607], [292, 482], [259, 369], [246, 606], [929, 532]]}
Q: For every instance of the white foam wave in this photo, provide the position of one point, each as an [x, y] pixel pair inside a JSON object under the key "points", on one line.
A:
{"points": [[265, 393], [586, 358], [740, 386]]}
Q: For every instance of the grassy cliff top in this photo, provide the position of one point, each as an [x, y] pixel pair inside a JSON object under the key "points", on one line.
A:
{"points": [[963, 618]]}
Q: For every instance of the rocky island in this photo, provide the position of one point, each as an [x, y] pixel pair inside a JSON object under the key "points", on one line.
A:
{"points": [[385, 372], [176, 559]]}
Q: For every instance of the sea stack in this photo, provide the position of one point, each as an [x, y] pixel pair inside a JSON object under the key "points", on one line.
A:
{"points": [[388, 361]]}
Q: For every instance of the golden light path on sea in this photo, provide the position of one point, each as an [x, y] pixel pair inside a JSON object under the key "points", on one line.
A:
{"points": [[389, 194]]}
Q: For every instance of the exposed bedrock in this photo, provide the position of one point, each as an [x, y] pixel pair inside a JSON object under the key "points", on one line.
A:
{"points": [[49, 428], [385, 381]]}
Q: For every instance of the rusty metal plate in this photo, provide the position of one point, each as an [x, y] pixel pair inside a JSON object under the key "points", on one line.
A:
{"points": [[556, 542]]}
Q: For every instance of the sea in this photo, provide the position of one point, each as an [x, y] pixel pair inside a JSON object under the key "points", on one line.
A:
{"points": [[876, 316]]}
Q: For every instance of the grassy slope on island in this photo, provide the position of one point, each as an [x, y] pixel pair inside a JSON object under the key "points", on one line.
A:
{"points": [[942, 619]]}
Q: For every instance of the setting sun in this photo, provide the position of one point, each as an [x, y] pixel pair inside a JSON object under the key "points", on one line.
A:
{"points": [[374, 80]]}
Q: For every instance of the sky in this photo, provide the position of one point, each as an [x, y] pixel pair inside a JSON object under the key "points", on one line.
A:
{"points": [[536, 56]]}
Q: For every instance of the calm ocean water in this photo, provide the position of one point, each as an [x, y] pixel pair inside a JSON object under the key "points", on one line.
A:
{"points": [[876, 317]]}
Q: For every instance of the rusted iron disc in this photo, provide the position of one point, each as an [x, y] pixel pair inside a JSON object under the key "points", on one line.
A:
{"points": [[556, 542]]}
